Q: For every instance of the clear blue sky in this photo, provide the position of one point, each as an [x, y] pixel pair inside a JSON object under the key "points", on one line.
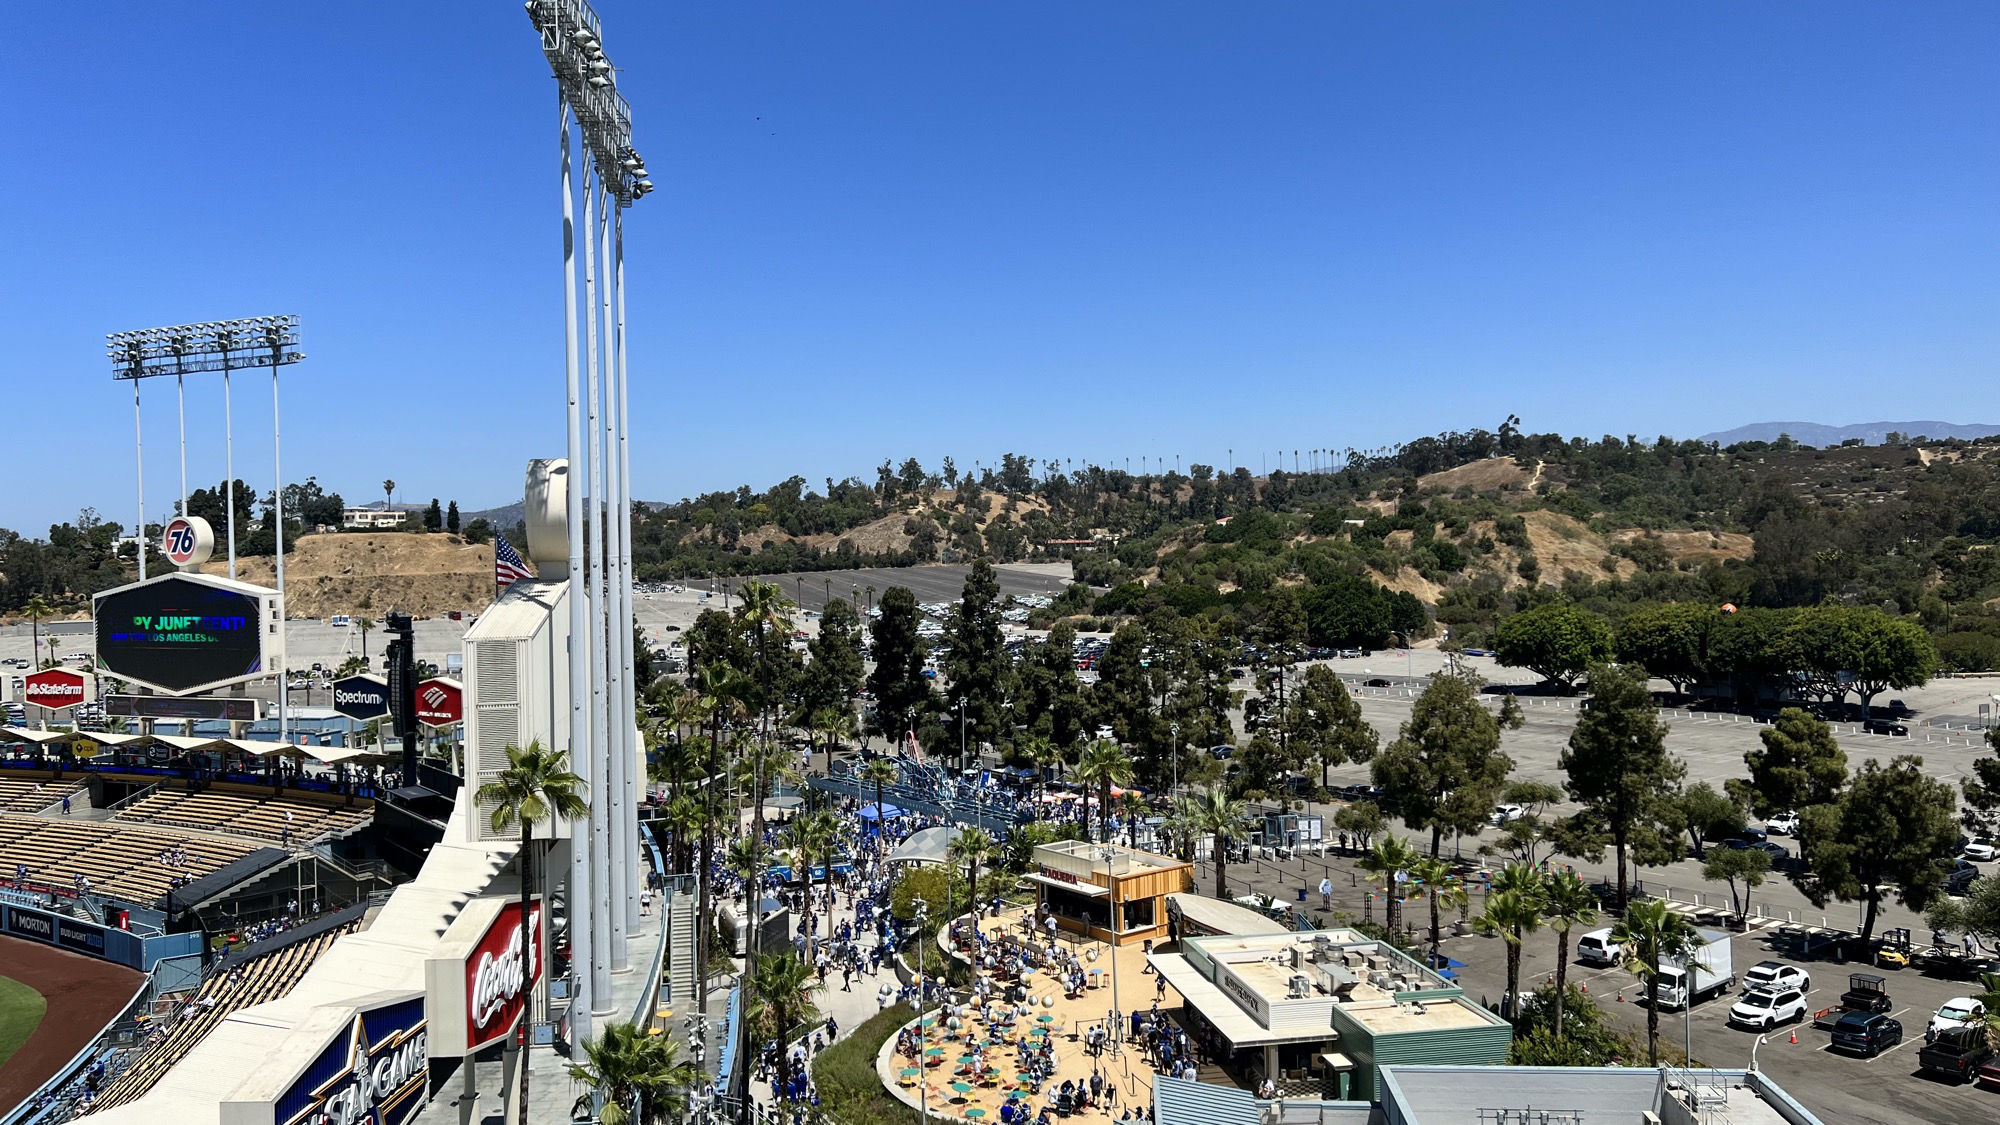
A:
{"points": [[1087, 230]]}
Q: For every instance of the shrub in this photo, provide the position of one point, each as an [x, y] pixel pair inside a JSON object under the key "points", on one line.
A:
{"points": [[849, 1088]]}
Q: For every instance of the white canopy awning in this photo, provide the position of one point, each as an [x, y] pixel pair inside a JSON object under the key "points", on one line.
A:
{"points": [[1091, 889]]}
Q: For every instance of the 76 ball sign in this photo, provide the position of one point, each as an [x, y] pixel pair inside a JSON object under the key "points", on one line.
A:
{"points": [[187, 541]]}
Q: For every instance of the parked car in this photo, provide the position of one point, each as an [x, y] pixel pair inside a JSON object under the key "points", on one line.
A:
{"points": [[1957, 1054], [1777, 974], [1989, 1075], [1784, 824], [1506, 814], [1959, 1011], [1765, 1008], [1885, 726], [1376, 682], [1982, 850], [1866, 1033], [1959, 880], [1221, 753], [1597, 948]]}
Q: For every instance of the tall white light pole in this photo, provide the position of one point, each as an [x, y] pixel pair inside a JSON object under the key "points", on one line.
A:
{"points": [[582, 873], [625, 635], [614, 679], [602, 953]]}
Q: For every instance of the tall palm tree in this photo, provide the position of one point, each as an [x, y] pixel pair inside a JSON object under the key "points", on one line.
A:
{"points": [[536, 786], [1650, 934], [1566, 904], [817, 834], [1442, 888], [834, 723], [1038, 748], [389, 495], [784, 984], [643, 1077], [1213, 812], [1510, 915], [879, 773], [1132, 808], [971, 846], [36, 609], [767, 610], [1390, 855], [1104, 764], [724, 690], [685, 816], [748, 859]]}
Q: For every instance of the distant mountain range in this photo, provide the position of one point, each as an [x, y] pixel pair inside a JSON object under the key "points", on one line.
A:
{"points": [[1871, 433]]}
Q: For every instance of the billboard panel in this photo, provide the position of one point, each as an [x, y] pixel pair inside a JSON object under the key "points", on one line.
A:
{"points": [[183, 633]]}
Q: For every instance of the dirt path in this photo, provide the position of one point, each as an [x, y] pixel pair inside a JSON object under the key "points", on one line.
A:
{"points": [[83, 994]]}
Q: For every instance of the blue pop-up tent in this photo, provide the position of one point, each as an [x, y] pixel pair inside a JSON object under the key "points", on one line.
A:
{"points": [[882, 812]]}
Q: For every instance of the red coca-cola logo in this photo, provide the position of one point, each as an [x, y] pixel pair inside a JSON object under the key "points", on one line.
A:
{"points": [[497, 981], [55, 688]]}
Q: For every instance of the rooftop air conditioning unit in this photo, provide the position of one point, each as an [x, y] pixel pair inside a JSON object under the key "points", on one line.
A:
{"points": [[1302, 986], [516, 691]]}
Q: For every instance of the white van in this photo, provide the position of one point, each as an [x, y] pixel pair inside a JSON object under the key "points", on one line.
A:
{"points": [[339, 621], [1597, 948]]}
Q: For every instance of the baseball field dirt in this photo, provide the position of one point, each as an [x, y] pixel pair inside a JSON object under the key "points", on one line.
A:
{"points": [[82, 995]]}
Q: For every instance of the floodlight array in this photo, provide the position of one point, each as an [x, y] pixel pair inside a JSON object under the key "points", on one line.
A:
{"points": [[572, 40], [213, 345]]}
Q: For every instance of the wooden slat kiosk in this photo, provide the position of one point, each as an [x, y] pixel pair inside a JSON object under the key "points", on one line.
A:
{"points": [[1106, 891]]}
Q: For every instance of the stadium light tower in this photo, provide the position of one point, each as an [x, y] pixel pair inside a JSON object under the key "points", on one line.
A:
{"points": [[603, 713], [216, 345]]}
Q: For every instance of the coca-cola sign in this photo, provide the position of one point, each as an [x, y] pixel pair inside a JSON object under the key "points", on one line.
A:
{"points": [[440, 702], [497, 981], [55, 689]]}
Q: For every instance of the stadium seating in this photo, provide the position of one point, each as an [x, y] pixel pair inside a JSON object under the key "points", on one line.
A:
{"points": [[120, 861], [240, 814], [34, 795], [263, 978]]}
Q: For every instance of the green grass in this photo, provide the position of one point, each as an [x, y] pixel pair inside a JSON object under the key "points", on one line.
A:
{"points": [[845, 1073], [21, 1011]]}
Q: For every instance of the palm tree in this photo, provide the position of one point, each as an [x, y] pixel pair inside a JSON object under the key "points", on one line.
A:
{"points": [[643, 1077], [36, 609], [749, 860], [817, 834], [1442, 888], [784, 984], [1510, 915], [766, 609], [723, 689], [1566, 904], [536, 786], [972, 845], [878, 773], [389, 495], [835, 723], [1037, 748], [1651, 934], [1104, 764], [1213, 812], [1391, 855], [685, 816], [1132, 808]]}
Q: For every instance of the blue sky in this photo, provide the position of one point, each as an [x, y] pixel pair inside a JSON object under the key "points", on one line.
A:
{"points": [[1086, 230]]}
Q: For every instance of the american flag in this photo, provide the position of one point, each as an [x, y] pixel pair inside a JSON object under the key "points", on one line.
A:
{"points": [[507, 565]]}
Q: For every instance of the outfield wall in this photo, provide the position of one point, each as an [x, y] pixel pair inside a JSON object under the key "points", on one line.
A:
{"points": [[120, 947]]}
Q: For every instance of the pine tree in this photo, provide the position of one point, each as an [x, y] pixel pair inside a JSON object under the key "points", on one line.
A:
{"points": [[451, 518], [434, 516], [976, 658]]}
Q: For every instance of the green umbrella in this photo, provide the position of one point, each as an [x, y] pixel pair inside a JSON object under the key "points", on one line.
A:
{"points": [[961, 1087]]}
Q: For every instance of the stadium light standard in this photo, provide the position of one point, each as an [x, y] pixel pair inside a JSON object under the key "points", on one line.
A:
{"points": [[603, 713], [183, 349]]}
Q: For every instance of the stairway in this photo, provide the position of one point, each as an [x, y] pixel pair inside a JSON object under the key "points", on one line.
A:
{"points": [[680, 950]]}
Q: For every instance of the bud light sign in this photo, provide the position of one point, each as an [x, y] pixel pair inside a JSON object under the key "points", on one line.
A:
{"points": [[361, 698]]}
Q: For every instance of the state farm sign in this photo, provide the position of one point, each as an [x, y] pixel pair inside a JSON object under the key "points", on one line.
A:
{"points": [[497, 982], [56, 689], [440, 702]]}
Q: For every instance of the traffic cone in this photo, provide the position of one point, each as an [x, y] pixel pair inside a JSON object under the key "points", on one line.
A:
{"points": [[1795, 1035], [1621, 996], [1585, 987]]}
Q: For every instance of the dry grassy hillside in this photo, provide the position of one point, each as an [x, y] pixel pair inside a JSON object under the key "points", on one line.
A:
{"points": [[372, 572]]}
